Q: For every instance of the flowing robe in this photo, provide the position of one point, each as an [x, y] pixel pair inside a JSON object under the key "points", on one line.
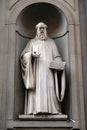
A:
{"points": [[39, 79]]}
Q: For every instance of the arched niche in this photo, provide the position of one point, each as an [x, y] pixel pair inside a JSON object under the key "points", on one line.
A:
{"points": [[25, 30], [62, 5], [48, 13]]}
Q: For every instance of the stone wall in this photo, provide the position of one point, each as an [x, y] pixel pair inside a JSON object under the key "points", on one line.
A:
{"points": [[83, 22], [10, 10]]}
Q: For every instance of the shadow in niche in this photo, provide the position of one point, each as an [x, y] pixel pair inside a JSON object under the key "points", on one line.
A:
{"points": [[46, 13], [57, 26]]}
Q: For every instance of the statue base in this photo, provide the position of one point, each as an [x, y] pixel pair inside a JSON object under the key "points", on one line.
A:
{"points": [[60, 117]]}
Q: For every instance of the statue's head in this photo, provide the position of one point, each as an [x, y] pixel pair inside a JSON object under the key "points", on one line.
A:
{"points": [[41, 31]]}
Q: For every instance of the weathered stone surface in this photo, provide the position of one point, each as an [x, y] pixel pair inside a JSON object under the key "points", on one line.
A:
{"points": [[12, 3], [71, 3]]}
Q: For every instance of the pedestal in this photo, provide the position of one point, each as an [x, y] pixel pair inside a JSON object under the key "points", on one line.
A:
{"points": [[60, 117]]}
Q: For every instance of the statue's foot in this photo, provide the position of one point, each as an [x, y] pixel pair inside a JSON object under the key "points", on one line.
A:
{"points": [[35, 113], [59, 113]]}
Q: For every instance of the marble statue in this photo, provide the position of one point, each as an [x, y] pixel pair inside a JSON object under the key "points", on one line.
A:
{"points": [[40, 64]]}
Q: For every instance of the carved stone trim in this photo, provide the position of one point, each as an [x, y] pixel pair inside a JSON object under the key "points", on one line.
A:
{"points": [[71, 3], [12, 3]]}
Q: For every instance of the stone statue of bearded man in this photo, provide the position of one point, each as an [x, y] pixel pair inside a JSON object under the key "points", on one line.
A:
{"points": [[41, 63]]}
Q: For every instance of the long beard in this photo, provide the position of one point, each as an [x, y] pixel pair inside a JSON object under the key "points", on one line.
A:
{"points": [[42, 36]]}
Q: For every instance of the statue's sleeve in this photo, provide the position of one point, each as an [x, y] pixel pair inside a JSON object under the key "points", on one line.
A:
{"points": [[27, 67], [58, 64], [27, 50]]}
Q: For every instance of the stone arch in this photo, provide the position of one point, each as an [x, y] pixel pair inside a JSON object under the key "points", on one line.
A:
{"points": [[16, 10], [37, 12]]}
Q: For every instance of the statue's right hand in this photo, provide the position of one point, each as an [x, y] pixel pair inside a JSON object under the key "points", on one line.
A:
{"points": [[36, 55]]}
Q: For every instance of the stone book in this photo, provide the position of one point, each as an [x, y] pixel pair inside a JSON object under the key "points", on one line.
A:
{"points": [[57, 65]]}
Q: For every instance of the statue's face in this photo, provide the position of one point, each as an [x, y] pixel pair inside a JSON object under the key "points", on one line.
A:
{"points": [[41, 33]]}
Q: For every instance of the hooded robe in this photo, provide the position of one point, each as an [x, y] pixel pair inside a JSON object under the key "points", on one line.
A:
{"points": [[41, 82]]}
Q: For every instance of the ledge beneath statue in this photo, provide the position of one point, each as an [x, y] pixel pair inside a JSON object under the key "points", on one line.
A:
{"points": [[39, 125], [60, 117]]}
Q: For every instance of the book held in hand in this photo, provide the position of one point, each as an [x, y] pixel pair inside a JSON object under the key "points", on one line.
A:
{"points": [[57, 65]]}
